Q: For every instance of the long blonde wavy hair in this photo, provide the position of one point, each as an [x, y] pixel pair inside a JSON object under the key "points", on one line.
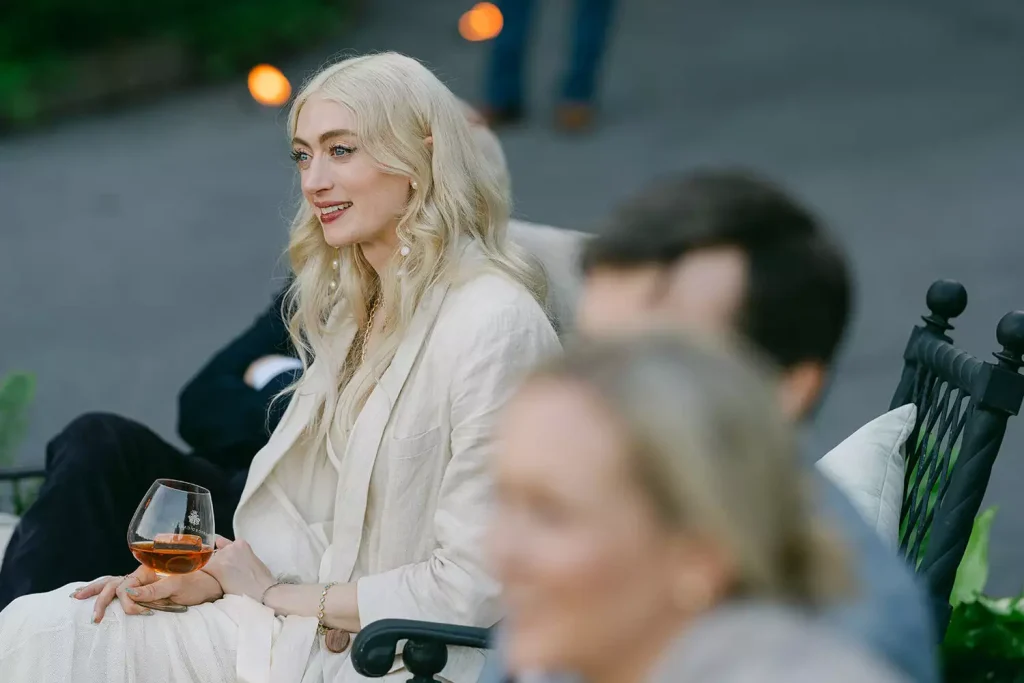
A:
{"points": [[711, 451], [412, 125]]}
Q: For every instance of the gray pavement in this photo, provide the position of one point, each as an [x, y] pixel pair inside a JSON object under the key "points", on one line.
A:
{"points": [[133, 244]]}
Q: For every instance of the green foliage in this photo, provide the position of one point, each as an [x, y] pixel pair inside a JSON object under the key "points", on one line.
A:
{"points": [[257, 29], [17, 101], [41, 39], [16, 394], [972, 574], [985, 638], [50, 28]]}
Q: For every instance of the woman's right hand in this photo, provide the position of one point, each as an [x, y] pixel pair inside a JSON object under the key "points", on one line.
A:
{"points": [[143, 585]]}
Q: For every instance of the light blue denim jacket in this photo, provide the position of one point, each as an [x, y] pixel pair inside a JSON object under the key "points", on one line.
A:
{"points": [[892, 614]]}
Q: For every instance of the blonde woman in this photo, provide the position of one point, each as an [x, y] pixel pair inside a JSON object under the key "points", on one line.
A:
{"points": [[370, 499], [654, 524]]}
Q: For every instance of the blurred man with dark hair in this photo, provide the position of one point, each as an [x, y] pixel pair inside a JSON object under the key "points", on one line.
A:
{"points": [[724, 251], [728, 251]]}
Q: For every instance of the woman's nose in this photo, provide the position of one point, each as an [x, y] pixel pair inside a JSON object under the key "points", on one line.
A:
{"points": [[316, 178]]}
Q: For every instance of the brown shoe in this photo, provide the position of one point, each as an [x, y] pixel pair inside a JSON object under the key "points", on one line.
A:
{"points": [[574, 117], [501, 116]]}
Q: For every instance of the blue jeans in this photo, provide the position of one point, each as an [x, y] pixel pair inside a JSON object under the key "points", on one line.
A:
{"points": [[589, 38]]}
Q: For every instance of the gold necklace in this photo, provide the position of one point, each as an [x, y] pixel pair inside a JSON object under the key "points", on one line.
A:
{"points": [[369, 329]]}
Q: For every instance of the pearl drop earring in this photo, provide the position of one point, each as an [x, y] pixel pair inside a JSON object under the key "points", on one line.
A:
{"points": [[336, 268], [404, 251], [414, 185]]}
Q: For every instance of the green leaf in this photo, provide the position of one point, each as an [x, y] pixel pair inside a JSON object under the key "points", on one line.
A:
{"points": [[16, 393], [979, 632], [972, 575]]}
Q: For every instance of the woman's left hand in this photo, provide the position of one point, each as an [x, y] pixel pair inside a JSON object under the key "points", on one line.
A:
{"points": [[238, 570]]}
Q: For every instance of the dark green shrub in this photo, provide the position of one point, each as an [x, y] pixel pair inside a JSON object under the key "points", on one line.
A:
{"points": [[41, 41]]}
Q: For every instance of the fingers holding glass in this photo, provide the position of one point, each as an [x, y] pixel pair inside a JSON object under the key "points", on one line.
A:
{"points": [[127, 603], [112, 589]]}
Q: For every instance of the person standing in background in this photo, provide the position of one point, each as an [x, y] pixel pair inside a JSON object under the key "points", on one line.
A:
{"points": [[505, 82]]}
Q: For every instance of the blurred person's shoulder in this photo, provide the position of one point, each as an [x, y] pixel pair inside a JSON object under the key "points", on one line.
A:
{"points": [[890, 615], [768, 643]]}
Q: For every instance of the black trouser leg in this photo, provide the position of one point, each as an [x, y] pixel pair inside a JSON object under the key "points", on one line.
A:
{"points": [[98, 470]]}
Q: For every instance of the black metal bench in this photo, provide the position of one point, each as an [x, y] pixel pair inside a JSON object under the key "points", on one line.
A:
{"points": [[21, 473], [963, 406]]}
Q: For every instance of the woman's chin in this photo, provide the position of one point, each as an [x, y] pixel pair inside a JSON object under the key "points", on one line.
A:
{"points": [[338, 237], [527, 654]]}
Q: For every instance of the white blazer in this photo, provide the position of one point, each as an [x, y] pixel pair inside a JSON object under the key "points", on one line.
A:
{"points": [[426, 430]]}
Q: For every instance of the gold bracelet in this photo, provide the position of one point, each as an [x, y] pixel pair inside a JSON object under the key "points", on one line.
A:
{"points": [[263, 598], [321, 627]]}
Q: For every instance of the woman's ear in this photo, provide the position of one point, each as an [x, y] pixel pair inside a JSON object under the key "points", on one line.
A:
{"points": [[801, 388], [702, 575]]}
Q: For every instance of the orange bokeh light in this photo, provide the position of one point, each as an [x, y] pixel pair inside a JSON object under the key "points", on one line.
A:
{"points": [[269, 86], [483, 22]]}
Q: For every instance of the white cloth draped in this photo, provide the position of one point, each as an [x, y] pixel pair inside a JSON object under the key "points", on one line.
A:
{"points": [[411, 500]]}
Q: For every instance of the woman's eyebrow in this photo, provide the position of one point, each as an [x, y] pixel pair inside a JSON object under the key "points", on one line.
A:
{"points": [[324, 137]]}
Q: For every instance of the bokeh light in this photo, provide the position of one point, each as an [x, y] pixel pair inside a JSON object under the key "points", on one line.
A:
{"points": [[483, 22], [269, 86]]}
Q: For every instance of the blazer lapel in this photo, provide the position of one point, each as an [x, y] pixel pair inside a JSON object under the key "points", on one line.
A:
{"points": [[367, 432], [296, 417]]}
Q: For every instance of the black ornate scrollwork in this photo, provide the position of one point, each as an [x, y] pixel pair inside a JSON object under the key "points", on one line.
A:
{"points": [[425, 652], [963, 405]]}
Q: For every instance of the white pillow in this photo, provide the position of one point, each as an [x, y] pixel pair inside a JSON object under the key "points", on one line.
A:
{"points": [[869, 468]]}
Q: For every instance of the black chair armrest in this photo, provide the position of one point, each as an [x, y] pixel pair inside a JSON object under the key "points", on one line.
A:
{"points": [[16, 473], [425, 654]]}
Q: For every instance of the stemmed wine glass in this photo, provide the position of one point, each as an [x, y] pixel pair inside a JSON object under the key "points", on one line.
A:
{"points": [[172, 532]]}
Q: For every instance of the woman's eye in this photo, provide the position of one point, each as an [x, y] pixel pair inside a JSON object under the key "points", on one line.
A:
{"points": [[300, 157], [340, 150]]}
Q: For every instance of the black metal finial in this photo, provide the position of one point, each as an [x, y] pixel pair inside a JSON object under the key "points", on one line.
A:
{"points": [[424, 659], [1010, 335], [946, 300]]}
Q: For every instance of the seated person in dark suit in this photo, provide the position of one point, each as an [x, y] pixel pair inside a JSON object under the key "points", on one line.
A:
{"points": [[101, 465]]}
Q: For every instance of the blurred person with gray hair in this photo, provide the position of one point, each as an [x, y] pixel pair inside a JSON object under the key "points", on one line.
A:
{"points": [[654, 523]]}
